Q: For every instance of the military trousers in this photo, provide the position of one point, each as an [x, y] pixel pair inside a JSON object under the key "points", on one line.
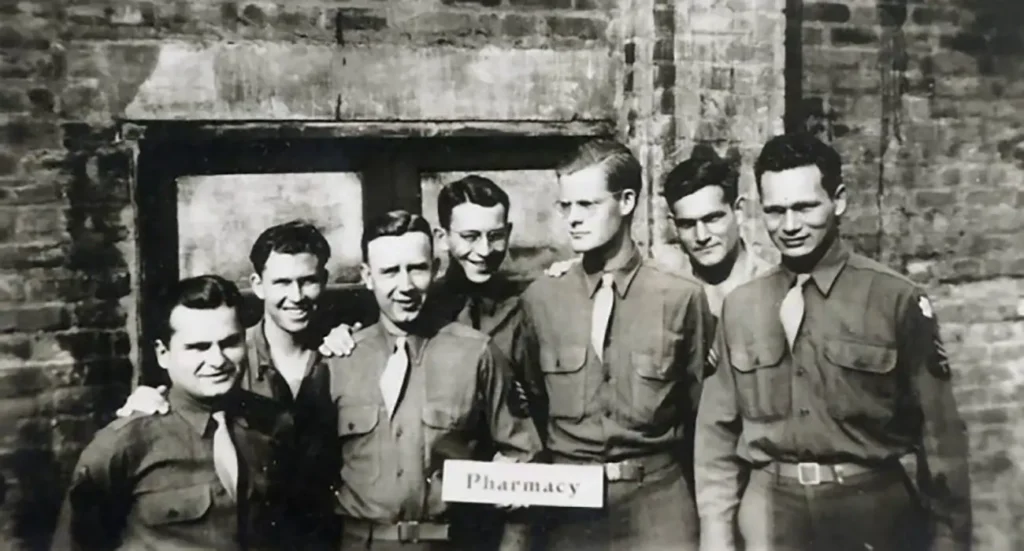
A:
{"points": [[655, 514], [877, 510]]}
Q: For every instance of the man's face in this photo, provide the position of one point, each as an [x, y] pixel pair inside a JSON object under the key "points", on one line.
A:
{"points": [[478, 239], [798, 213], [594, 214], [708, 226], [203, 354], [290, 288], [399, 271]]}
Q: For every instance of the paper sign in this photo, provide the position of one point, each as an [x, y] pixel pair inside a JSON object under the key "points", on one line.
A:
{"points": [[501, 483]]}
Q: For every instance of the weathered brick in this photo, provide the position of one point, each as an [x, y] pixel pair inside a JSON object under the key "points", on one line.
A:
{"points": [[31, 133], [855, 36], [548, 4], [52, 317], [13, 100], [827, 12], [360, 19], [586, 28]]}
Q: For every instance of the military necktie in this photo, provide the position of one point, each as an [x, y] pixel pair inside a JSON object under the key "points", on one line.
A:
{"points": [[604, 299], [393, 378], [791, 312], [225, 456]]}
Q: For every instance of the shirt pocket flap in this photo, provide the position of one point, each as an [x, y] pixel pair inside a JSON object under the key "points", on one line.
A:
{"points": [[357, 419], [172, 506], [569, 359], [859, 356], [646, 367], [761, 355], [439, 417]]}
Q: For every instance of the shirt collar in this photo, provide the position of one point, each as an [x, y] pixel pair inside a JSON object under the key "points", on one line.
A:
{"points": [[828, 268], [197, 413], [623, 272], [414, 342], [258, 340]]}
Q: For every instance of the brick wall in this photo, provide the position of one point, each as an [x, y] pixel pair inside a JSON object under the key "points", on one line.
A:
{"points": [[923, 100]]}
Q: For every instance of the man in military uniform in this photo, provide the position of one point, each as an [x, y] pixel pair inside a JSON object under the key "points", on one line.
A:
{"points": [[416, 390], [211, 474], [830, 376], [623, 380], [282, 362], [702, 193]]}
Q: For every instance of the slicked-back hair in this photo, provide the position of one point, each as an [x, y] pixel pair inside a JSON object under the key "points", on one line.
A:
{"points": [[471, 189], [205, 292], [621, 168], [295, 237], [796, 150], [703, 169], [394, 223]]}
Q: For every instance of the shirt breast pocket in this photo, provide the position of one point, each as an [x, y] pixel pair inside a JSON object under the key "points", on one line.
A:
{"points": [[763, 389], [565, 379], [652, 383], [360, 447], [863, 381], [180, 506]]}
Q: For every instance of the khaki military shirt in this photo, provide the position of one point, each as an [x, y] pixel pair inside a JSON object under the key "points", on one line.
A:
{"points": [[747, 267], [867, 381], [456, 394], [149, 482], [642, 398]]}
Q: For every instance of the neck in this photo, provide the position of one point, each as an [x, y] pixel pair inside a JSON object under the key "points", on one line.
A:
{"points": [[806, 264], [394, 328], [713, 275], [615, 252], [281, 341]]}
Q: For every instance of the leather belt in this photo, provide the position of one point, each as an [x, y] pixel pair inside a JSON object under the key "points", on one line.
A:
{"points": [[634, 470], [404, 532], [813, 474]]}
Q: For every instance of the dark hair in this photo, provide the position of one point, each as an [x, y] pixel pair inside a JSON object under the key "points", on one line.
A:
{"points": [[620, 166], [394, 223], [471, 189], [295, 237], [205, 292], [703, 169], [797, 150]]}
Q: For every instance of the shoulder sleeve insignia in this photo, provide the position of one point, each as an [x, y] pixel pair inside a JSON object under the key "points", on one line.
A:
{"points": [[926, 307]]}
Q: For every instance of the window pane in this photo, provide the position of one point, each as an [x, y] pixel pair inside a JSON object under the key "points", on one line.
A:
{"points": [[219, 218], [538, 235]]}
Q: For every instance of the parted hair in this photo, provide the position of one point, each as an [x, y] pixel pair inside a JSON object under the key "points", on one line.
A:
{"points": [[394, 223], [205, 292], [295, 237], [703, 169], [471, 189], [621, 168], [796, 150]]}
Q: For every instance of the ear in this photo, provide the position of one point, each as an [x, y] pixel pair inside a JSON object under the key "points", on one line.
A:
{"points": [[627, 202], [162, 353], [508, 229], [435, 265], [839, 200], [364, 274], [441, 239], [738, 209], [256, 284]]}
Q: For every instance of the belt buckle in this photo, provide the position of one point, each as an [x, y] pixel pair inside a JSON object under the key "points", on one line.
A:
{"points": [[409, 532], [632, 471], [809, 474], [613, 471]]}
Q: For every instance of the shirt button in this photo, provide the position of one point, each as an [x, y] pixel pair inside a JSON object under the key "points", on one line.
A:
{"points": [[398, 432], [608, 413], [799, 372], [607, 377], [804, 412], [400, 473]]}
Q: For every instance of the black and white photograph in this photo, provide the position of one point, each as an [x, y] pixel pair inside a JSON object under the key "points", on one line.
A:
{"points": [[511, 275]]}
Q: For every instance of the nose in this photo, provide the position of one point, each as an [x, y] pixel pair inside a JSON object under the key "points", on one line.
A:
{"points": [[403, 282], [701, 233], [294, 292], [790, 224], [482, 246], [215, 356], [575, 215]]}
